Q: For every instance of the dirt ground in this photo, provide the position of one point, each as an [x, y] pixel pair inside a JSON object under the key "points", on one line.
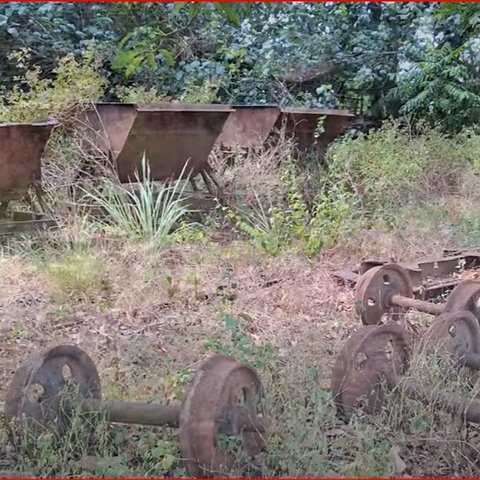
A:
{"points": [[148, 318]]}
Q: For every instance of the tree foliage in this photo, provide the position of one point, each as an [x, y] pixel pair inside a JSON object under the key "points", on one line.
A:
{"points": [[414, 59]]}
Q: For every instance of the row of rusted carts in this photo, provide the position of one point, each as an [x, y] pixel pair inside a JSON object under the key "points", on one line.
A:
{"points": [[170, 136]]}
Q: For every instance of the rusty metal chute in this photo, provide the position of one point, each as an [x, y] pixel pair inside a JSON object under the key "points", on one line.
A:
{"points": [[21, 149], [250, 126], [168, 134], [302, 123]]}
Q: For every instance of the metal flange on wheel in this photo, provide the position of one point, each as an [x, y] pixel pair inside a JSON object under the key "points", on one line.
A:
{"points": [[220, 387], [370, 356], [222, 405], [387, 289], [455, 336], [34, 399], [377, 356], [375, 289]]}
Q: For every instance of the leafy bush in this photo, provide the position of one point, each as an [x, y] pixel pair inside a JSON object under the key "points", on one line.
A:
{"points": [[140, 95], [35, 98], [392, 168], [470, 143], [206, 92], [292, 223], [439, 89]]}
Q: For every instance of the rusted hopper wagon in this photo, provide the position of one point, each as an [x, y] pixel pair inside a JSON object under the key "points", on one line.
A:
{"points": [[21, 148], [251, 126], [168, 134]]}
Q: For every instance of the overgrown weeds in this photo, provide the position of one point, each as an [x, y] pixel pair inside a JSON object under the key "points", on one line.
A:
{"points": [[172, 306], [287, 221], [393, 169], [147, 211]]}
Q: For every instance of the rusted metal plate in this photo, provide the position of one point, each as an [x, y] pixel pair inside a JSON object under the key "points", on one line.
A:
{"points": [[374, 353], [456, 336], [220, 386], [111, 123], [248, 126], [171, 135], [168, 134], [303, 122], [430, 277], [34, 397], [375, 289], [24, 222], [21, 149]]}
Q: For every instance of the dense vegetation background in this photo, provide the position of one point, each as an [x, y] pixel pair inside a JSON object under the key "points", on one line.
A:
{"points": [[414, 59]]}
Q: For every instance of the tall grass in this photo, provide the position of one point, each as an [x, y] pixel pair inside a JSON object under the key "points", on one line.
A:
{"points": [[148, 211]]}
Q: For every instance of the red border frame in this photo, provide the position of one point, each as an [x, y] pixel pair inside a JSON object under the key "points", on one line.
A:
{"points": [[240, 1]]}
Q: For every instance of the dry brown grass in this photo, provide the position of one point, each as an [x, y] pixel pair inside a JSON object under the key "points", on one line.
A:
{"points": [[149, 316], [246, 171], [163, 305]]}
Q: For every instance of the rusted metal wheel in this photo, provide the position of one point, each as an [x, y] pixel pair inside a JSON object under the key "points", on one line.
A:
{"points": [[375, 289], [465, 296], [34, 399], [456, 335], [372, 353], [222, 392]]}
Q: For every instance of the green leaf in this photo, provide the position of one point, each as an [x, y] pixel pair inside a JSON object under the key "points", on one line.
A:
{"points": [[167, 462], [229, 10], [151, 60], [168, 57], [194, 9], [123, 59], [125, 39], [134, 64], [179, 6]]}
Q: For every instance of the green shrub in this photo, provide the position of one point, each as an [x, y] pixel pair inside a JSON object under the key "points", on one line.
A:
{"points": [[141, 95], [392, 168], [35, 98], [147, 211], [293, 223]]}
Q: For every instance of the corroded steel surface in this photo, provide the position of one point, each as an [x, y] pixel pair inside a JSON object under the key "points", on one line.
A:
{"points": [[21, 149], [171, 135], [47, 371], [112, 123], [168, 134], [430, 277], [455, 334], [372, 354], [303, 122], [375, 289], [250, 126], [464, 296], [220, 386]]}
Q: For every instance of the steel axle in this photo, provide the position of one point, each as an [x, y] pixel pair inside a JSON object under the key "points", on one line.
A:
{"points": [[224, 399], [387, 289], [469, 409], [165, 415], [419, 305]]}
